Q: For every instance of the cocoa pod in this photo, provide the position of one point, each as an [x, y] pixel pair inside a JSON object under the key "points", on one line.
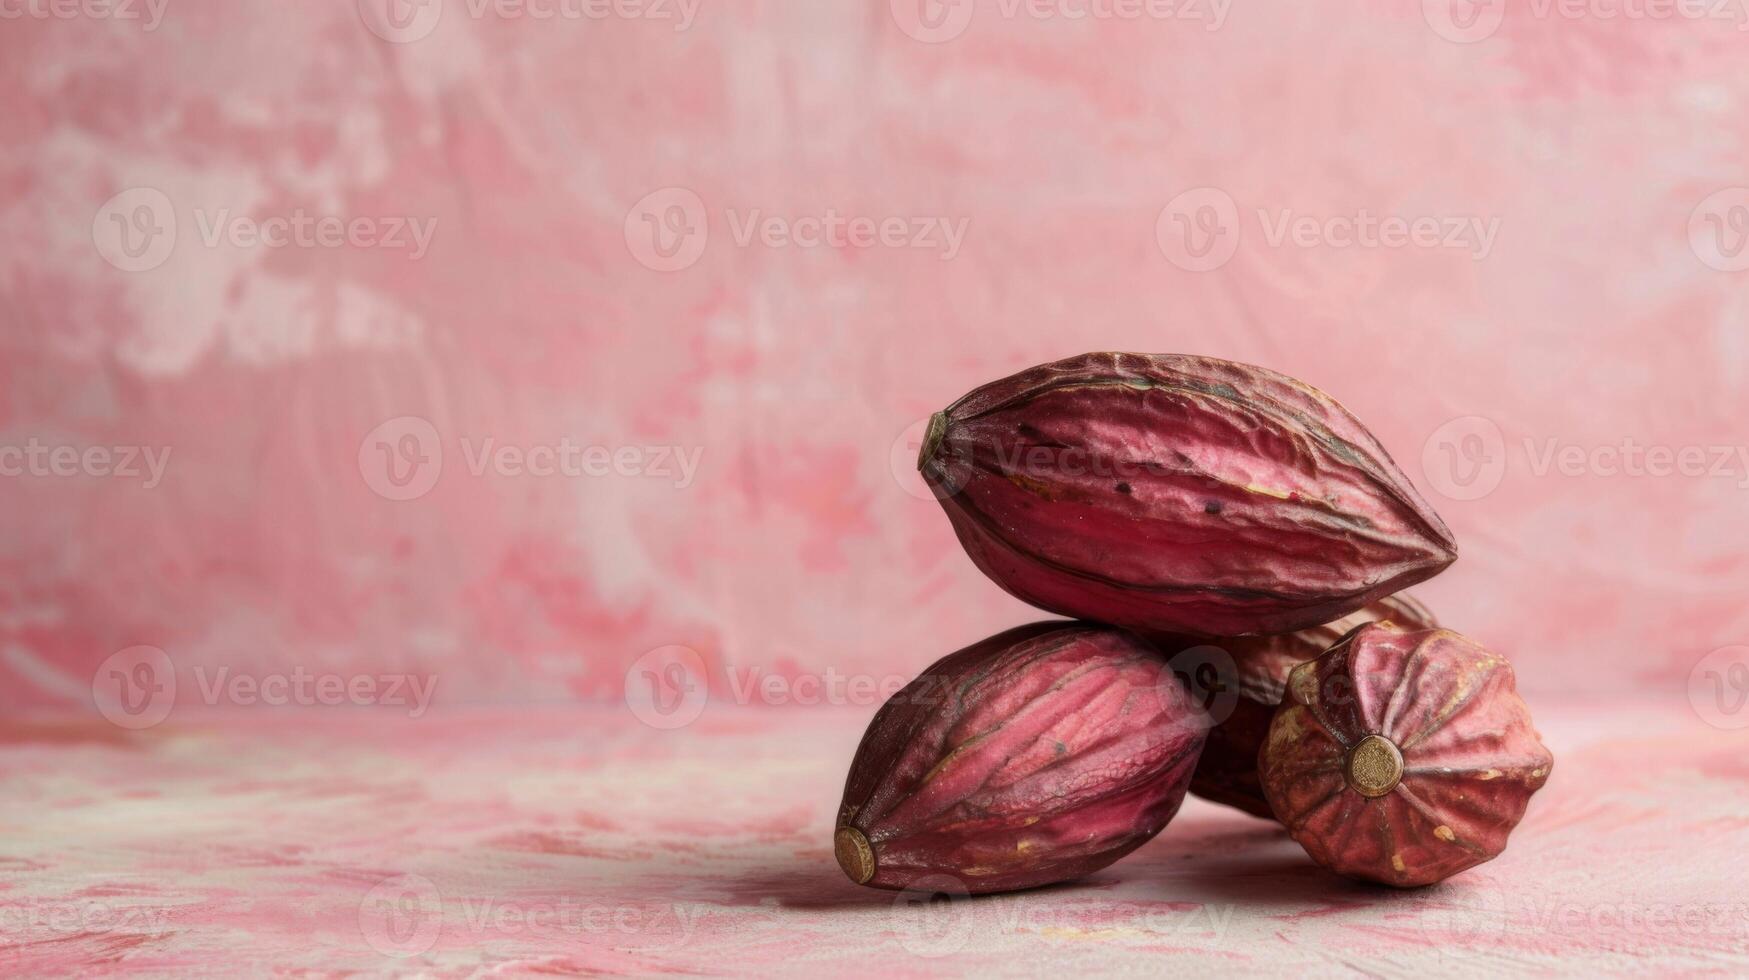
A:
{"points": [[1402, 757], [1040, 754], [1178, 494], [1227, 772]]}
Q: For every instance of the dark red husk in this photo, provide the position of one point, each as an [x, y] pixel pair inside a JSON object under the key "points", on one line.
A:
{"points": [[1261, 664], [1038, 755], [1467, 757], [1178, 494]]}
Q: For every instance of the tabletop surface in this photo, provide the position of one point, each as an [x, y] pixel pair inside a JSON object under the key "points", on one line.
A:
{"points": [[570, 840]]}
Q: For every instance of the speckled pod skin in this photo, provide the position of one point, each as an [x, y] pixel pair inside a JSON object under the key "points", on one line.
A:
{"points": [[1178, 494], [1036, 756], [1227, 772], [1402, 757]]}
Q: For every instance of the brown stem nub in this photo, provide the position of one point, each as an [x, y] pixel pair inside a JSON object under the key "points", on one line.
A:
{"points": [[1375, 766], [932, 438], [854, 854]]}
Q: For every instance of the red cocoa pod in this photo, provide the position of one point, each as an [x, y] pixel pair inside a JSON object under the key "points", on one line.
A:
{"points": [[1178, 494], [1227, 772], [1038, 755], [1402, 757]]}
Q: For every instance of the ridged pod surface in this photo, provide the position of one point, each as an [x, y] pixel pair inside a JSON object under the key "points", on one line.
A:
{"points": [[1178, 494], [1227, 772], [1038, 755], [1402, 757]]}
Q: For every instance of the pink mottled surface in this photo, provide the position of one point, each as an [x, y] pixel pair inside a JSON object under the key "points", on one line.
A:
{"points": [[567, 841], [595, 236]]}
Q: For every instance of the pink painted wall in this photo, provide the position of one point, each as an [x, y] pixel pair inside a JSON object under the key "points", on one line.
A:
{"points": [[1582, 287]]}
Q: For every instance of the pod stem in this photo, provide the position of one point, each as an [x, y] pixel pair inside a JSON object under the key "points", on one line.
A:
{"points": [[932, 438], [854, 854]]}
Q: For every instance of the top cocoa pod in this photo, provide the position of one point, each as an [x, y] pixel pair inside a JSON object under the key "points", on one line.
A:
{"points": [[1182, 494]]}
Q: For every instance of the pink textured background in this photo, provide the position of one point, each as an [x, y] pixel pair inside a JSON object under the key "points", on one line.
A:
{"points": [[1609, 154], [793, 370]]}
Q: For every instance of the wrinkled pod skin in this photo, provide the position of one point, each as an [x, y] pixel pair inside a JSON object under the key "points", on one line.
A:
{"points": [[1178, 494], [1402, 757], [1038, 755], [1244, 703]]}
